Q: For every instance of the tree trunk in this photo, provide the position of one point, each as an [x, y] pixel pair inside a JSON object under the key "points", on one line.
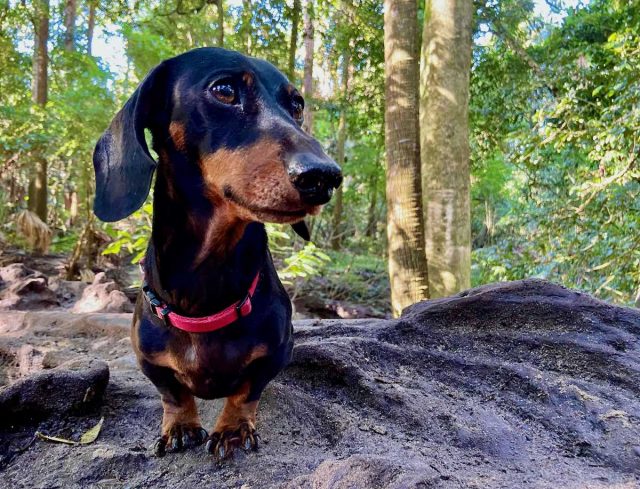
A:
{"points": [[293, 43], [245, 28], [91, 25], [444, 124], [405, 232], [220, 8], [307, 85], [370, 230], [69, 24], [38, 183], [336, 236]]}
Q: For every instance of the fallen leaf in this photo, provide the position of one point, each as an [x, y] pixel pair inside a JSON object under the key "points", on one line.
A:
{"points": [[87, 437]]}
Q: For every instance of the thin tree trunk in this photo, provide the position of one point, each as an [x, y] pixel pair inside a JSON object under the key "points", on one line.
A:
{"points": [[69, 24], [444, 123], [220, 8], [38, 183], [336, 237], [293, 43], [307, 84], [405, 232], [245, 28], [370, 230], [91, 25]]}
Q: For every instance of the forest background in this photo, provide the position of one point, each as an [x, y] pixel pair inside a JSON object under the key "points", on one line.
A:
{"points": [[553, 128]]}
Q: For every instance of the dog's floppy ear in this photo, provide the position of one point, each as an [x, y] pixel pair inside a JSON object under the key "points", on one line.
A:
{"points": [[122, 162], [302, 230]]}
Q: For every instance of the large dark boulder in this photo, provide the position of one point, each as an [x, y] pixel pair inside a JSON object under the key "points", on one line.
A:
{"points": [[514, 385], [72, 388]]}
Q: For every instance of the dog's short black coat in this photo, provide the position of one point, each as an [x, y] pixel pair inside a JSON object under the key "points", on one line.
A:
{"points": [[232, 156]]}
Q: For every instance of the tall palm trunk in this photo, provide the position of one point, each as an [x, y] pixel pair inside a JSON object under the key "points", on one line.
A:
{"points": [[405, 232], [444, 122]]}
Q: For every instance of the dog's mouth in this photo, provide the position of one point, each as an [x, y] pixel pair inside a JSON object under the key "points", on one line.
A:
{"points": [[267, 214]]}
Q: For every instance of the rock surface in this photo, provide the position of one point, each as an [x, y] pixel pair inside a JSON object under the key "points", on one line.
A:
{"points": [[23, 288], [103, 295], [72, 388], [516, 385]]}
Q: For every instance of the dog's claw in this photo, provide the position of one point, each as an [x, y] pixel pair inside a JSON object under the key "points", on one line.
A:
{"points": [[179, 438], [159, 447], [222, 445], [175, 444]]}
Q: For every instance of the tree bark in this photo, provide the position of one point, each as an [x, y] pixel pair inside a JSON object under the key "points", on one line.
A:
{"points": [[405, 232], [307, 84], [220, 8], [245, 28], [70, 10], [336, 236], [38, 183], [370, 230], [91, 25], [293, 43], [444, 124]]}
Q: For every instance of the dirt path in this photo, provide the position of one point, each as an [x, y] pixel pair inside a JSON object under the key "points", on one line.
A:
{"points": [[517, 385]]}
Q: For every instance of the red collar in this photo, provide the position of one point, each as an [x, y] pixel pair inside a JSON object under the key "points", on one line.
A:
{"points": [[204, 324]]}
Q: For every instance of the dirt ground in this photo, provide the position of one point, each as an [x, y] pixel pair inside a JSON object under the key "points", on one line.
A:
{"points": [[517, 385]]}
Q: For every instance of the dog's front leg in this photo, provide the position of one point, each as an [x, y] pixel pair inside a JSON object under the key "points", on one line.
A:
{"points": [[181, 426], [236, 425]]}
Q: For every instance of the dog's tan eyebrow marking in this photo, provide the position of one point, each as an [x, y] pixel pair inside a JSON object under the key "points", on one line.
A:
{"points": [[248, 78], [178, 135]]}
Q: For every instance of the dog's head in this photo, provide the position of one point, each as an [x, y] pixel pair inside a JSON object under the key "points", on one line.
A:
{"points": [[234, 122]]}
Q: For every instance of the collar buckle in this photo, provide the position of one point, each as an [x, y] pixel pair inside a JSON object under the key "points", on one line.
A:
{"points": [[158, 308], [243, 308]]}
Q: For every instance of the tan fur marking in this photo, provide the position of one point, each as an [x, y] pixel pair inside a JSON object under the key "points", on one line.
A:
{"points": [[185, 414], [248, 79], [257, 175], [237, 411], [259, 351], [177, 133]]}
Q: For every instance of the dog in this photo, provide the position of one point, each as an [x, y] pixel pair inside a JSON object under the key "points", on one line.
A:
{"points": [[213, 320]]}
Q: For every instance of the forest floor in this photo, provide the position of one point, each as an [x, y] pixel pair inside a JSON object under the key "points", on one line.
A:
{"points": [[516, 385], [349, 287]]}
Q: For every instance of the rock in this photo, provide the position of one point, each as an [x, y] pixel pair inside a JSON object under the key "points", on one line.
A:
{"points": [[366, 472], [24, 289], [67, 291], [522, 384], [103, 295], [71, 388]]}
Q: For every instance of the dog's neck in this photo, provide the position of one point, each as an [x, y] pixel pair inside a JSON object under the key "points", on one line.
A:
{"points": [[200, 258]]}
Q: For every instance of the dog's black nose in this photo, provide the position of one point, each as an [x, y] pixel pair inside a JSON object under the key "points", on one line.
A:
{"points": [[314, 177]]}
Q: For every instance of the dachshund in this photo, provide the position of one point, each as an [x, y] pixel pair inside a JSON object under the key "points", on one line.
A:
{"points": [[212, 320]]}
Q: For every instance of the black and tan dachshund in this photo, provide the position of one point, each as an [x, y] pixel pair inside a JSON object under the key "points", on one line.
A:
{"points": [[214, 321]]}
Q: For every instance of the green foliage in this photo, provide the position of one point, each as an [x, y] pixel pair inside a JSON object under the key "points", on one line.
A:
{"points": [[131, 236], [570, 210], [554, 119], [295, 262]]}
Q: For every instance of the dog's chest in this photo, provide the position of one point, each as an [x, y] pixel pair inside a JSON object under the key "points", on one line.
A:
{"points": [[209, 368]]}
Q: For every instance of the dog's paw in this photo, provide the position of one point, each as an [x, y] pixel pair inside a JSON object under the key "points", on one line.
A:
{"points": [[178, 438], [223, 443]]}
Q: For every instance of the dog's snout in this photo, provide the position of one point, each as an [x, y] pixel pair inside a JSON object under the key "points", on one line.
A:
{"points": [[314, 177]]}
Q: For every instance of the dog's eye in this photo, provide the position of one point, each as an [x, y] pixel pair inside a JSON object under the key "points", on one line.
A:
{"points": [[224, 92], [297, 109]]}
